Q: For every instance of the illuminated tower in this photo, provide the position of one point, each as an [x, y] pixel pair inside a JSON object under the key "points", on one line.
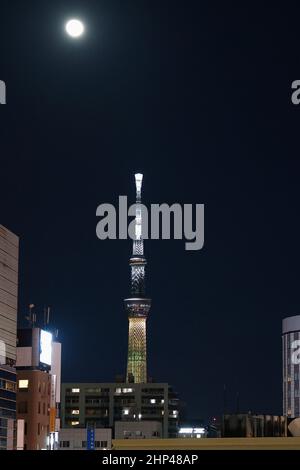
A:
{"points": [[138, 305]]}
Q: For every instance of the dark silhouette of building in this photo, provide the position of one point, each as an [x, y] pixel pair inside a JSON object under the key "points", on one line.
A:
{"points": [[252, 425]]}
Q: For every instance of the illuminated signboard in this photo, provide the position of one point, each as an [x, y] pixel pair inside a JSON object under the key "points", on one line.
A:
{"points": [[45, 347]]}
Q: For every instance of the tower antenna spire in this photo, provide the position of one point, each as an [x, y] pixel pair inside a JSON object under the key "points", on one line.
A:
{"points": [[138, 244]]}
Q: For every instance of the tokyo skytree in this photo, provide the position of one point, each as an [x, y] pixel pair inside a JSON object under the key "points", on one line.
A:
{"points": [[138, 305]]}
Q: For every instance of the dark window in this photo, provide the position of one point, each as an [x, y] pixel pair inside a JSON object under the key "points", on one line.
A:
{"points": [[8, 413], [22, 407], [83, 444], [97, 443], [103, 444], [44, 408], [39, 407], [8, 405], [39, 429], [25, 428]]}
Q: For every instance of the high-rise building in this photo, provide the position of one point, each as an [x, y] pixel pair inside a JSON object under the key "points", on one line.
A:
{"points": [[38, 389], [291, 366], [138, 305], [9, 260]]}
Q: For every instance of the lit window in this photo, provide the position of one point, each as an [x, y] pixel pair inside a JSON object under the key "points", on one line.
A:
{"points": [[75, 412], [74, 423], [126, 412], [152, 400], [10, 386], [23, 383], [162, 412], [118, 390], [127, 390], [162, 400], [75, 390]]}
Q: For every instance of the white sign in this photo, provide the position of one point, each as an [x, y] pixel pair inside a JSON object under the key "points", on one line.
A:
{"points": [[45, 347], [2, 92]]}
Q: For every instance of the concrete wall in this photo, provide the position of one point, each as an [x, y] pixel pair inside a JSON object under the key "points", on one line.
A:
{"points": [[236, 443]]}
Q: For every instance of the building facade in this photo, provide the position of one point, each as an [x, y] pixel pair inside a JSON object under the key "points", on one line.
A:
{"points": [[138, 430], [33, 407], [38, 389], [82, 439], [102, 404], [290, 366], [9, 260]]}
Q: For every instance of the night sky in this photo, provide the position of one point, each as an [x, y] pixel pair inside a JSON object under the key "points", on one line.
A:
{"points": [[197, 97]]}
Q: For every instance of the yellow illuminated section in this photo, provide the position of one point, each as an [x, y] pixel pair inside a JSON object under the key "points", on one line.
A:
{"points": [[137, 351]]}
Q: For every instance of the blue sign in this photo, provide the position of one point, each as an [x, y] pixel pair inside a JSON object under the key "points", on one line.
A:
{"points": [[90, 438]]}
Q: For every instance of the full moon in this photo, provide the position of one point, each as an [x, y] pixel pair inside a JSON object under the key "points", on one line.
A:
{"points": [[74, 28]]}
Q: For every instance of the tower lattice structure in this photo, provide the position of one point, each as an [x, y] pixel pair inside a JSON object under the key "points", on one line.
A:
{"points": [[138, 305]]}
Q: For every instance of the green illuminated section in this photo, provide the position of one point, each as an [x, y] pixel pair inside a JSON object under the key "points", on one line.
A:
{"points": [[136, 366]]}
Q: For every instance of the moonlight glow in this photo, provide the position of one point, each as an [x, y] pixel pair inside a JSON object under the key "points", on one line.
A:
{"points": [[74, 28]]}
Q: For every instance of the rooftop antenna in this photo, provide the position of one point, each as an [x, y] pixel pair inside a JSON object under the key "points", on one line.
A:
{"points": [[224, 399], [30, 317], [46, 316], [237, 402]]}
